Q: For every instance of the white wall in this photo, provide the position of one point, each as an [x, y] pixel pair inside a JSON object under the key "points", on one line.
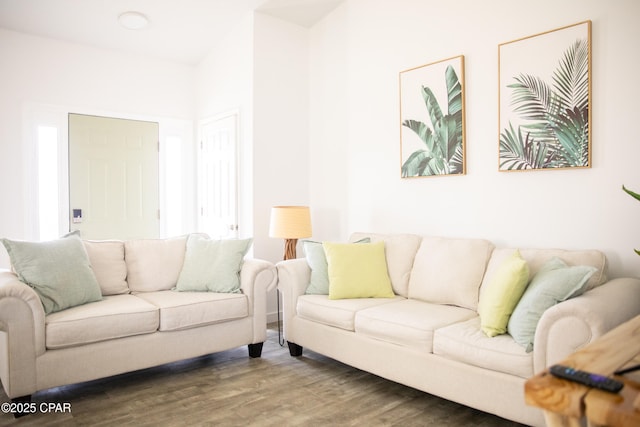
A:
{"points": [[40, 71], [280, 124], [280, 128], [356, 54]]}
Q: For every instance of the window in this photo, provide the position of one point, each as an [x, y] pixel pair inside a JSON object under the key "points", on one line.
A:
{"points": [[173, 186]]}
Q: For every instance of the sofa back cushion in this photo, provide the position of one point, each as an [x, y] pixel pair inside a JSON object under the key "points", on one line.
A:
{"points": [[536, 258], [449, 271], [107, 260], [154, 264], [400, 250]]}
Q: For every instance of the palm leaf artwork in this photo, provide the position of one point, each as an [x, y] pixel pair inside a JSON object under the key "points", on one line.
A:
{"points": [[442, 142], [555, 133]]}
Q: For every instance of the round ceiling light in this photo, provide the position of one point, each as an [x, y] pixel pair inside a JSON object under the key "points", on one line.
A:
{"points": [[133, 20]]}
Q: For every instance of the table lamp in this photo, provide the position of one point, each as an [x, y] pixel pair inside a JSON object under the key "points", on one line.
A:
{"points": [[290, 223]]}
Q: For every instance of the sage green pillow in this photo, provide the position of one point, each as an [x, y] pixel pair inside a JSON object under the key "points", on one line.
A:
{"points": [[553, 283], [58, 270], [317, 261], [212, 265]]}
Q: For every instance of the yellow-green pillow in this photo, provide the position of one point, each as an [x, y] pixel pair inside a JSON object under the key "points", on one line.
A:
{"points": [[503, 292], [357, 270]]}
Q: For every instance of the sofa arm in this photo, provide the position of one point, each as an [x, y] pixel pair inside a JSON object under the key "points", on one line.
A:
{"points": [[574, 323], [293, 278], [22, 337], [257, 278]]}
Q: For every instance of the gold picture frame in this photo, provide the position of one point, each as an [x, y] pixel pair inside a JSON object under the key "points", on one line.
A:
{"points": [[544, 96]]}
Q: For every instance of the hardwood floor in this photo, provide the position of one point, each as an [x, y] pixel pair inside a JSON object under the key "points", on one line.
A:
{"points": [[230, 389]]}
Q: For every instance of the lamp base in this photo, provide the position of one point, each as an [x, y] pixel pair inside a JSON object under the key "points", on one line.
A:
{"points": [[290, 248], [289, 253]]}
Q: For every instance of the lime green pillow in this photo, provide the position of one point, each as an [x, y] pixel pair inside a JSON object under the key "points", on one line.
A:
{"points": [[503, 292], [357, 270], [317, 260], [212, 265]]}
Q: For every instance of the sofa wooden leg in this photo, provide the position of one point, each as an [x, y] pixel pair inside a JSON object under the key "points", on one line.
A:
{"points": [[255, 350], [22, 406], [295, 350]]}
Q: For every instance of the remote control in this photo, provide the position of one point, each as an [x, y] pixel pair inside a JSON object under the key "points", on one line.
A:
{"points": [[592, 380]]}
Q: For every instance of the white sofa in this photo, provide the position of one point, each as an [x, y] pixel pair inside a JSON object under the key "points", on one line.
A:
{"points": [[428, 336], [139, 322]]}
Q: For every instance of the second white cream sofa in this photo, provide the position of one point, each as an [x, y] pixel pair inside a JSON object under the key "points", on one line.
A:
{"points": [[428, 335], [139, 321]]}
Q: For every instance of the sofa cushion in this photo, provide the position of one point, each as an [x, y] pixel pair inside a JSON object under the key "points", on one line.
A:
{"points": [[184, 310], [553, 283], [317, 260], [466, 343], [502, 294], [107, 260], [408, 323], [536, 258], [154, 264], [339, 313], [357, 270], [212, 264], [116, 316], [449, 271], [400, 250], [58, 270]]}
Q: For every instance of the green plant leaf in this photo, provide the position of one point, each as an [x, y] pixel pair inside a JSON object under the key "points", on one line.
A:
{"points": [[531, 97], [423, 131], [631, 193], [635, 196], [416, 164], [571, 78], [518, 152], [572, 131], [433, 108], [454, 91]]}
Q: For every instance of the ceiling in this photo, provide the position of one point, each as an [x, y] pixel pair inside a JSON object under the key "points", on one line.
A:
{"points": [[183, 31]]}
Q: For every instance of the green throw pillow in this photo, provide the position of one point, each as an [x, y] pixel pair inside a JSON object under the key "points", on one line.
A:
{"points": [[555, 282], [317, 260], [357, 270], [502, 294], [212, 265], [58, 270]]}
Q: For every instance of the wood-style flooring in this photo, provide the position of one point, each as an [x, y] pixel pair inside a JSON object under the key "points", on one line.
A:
{"points": [[231, 389]]}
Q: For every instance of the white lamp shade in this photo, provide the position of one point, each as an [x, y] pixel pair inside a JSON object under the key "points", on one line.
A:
{"points": [[290, 222]]}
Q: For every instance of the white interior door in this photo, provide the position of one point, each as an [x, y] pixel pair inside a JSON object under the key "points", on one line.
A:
{"points": [[218, 177], [113, 177]]}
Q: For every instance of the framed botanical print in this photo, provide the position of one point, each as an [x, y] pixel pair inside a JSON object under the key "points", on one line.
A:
{"points": [[545, 100], [432, 134]]}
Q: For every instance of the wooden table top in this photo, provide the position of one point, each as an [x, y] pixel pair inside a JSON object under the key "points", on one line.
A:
{"points": [[566, 402]]}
